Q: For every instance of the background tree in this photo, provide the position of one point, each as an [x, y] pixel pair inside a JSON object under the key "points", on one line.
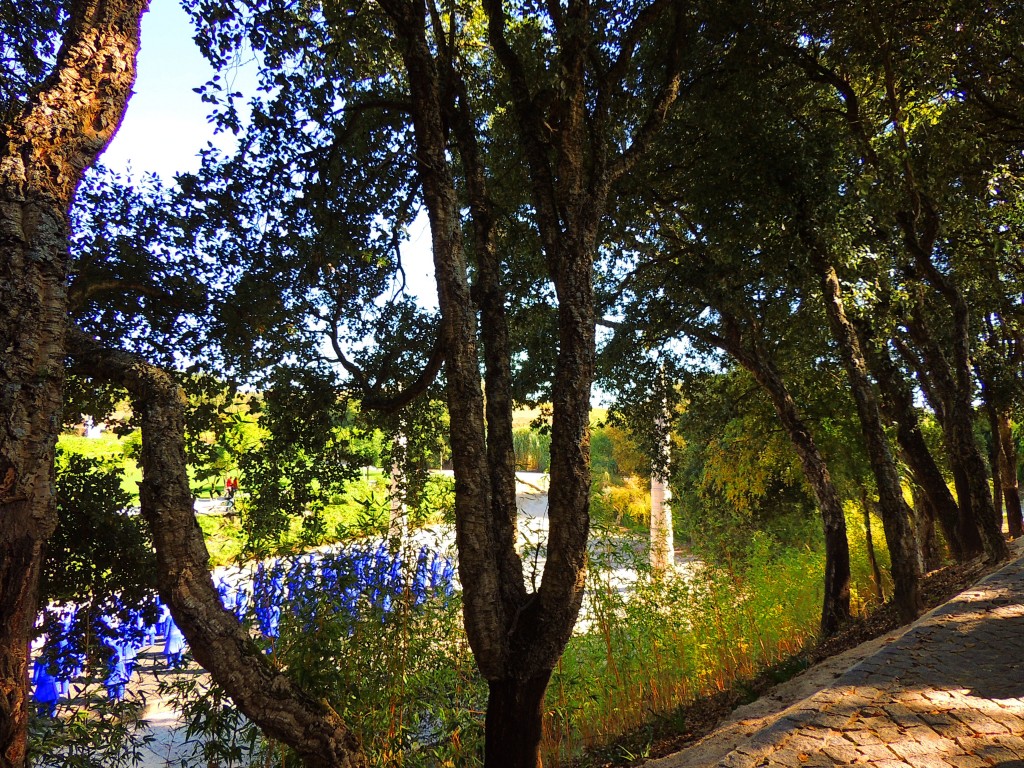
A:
{"points": [[889, 77], [719, 262]]}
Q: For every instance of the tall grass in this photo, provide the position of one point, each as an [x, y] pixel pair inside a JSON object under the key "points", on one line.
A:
{"points": [[407, 683], [673, 639]]}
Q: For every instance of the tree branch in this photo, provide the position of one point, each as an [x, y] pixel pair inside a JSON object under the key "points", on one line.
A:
{"points": [[218, 641]]}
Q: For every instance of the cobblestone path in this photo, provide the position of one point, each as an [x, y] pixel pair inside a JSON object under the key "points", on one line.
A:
{"points": [[948, 694]]}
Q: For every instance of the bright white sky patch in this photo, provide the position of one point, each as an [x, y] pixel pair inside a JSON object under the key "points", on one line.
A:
{"points": [[165, 125]]}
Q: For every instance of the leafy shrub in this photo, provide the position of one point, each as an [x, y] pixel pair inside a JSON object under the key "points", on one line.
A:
{"points": [[628, 503]]}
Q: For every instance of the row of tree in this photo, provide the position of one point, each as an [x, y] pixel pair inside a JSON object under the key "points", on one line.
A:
{"points": [[875, 228], [802, 188]]}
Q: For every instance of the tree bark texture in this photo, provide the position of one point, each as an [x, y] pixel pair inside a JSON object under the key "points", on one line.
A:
{"points": [[514, 721], [929, 556], [490, 296], [218, 641], [1008, 461], [836, 601], [952, 383], [517, 636], [486, 614], [45, 150], [897, 402], [896, 513]]}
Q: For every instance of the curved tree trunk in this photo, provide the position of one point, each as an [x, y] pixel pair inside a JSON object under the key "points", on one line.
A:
{"points": [[897, 403], [44, 152], [896, 514], [219, 642], [836, 601], [835, 608]]}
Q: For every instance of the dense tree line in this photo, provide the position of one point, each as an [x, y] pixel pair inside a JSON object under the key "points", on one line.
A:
{"points": [[827, 198]]}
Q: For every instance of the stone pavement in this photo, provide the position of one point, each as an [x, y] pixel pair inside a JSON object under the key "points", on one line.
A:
{"points": [[949, 693]]}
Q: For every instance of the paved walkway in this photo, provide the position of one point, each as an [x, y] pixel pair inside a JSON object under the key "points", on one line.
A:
{"points": [[949, 693]]}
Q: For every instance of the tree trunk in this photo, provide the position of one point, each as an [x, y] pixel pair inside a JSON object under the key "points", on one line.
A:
{"points": [[835, 609], [927, 538], [514, 634], [662, 549], [34, 248], [995, 462], [514, 721], [897, 402], [1011, 487], [45, 149], [952, 384], [219, 642], [896, 514], [869, 545], [398, 515], [662, 545]]}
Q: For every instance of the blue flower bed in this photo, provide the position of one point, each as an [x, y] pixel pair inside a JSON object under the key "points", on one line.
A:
{"points": [[352, 583]]}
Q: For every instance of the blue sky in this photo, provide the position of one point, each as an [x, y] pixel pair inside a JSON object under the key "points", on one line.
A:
{"points": [[165, 125]]}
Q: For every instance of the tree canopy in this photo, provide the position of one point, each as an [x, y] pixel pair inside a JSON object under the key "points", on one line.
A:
{"points": [[786, 210]]}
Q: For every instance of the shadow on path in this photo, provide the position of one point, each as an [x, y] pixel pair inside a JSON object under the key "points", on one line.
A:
{"points": [[949, 693]]}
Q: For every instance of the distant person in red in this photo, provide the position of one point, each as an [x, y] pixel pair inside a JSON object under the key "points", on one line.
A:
{"points": [[231, 487]]}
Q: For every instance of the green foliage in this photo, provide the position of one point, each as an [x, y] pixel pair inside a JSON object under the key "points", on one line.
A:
{"points": [[532, 448], [736, 472], [602, 461], [222, 427], [627, 503], [436, 502], [106, 734], [137, 281], [613, 454], [404, 681], [303, 462], [98, 552], [109, 450], [861, 592], [216, 732]]}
